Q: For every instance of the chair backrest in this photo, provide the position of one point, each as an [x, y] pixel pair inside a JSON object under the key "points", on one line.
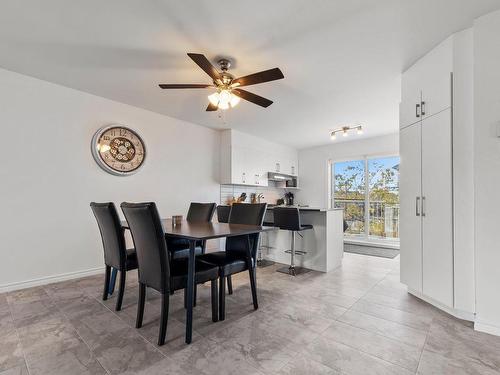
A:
{"points": [[223, 213], [249, 214], [149, 239], [113, 240], [201, 212], [287, 218]]}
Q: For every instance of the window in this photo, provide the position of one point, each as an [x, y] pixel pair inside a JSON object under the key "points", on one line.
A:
{"points": [[368, 191]]}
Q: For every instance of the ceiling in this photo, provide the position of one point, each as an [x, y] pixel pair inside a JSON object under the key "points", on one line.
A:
{"points": [[342, 60]]}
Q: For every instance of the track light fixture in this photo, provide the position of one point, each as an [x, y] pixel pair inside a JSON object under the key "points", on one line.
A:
{"points": [[345, 131]]}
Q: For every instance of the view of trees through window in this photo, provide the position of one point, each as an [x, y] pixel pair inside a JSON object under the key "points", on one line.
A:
{"points": [[368, 191]]}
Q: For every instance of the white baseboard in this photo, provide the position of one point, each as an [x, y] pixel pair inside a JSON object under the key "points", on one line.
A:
{"points": [[50, 279], [486, 327], [373, 243], [460, 314]]}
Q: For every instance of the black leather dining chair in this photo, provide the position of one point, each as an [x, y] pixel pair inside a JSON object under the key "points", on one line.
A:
{"points": [[156, 268], [116, 255], [223, 213], [237, 258], [198, 212]]}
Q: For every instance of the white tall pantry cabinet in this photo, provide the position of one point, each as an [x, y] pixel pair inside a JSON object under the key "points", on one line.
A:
{"points": [[432, 265]]}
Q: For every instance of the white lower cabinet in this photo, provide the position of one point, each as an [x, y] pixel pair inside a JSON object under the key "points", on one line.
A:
{"points": [[426, 196], [437, 208], [410, 220]]}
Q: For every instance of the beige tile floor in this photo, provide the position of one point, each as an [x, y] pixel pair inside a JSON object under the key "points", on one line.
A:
{"points": [[355, 320]]}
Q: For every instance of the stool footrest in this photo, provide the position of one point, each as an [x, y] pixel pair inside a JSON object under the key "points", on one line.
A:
{"points": [[297, 252], [266, 247]]}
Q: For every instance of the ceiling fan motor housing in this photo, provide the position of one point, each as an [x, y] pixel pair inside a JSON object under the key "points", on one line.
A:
{"points": [[224, 64]]}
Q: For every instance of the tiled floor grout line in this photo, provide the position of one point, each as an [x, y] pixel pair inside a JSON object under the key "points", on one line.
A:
{"points": [[18, 336], [422, 352], [78, 333]]}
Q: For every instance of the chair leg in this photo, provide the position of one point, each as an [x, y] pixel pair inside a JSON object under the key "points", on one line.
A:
{"points": [[123, 274], [222, 298], [112, 282], [106, 283], [140, 305], [253, 286], [229, 285], [165, 297], [214, 296]]}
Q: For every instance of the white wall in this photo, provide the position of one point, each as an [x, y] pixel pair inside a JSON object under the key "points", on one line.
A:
{"points": [[313, 164], [487, 170], [48, 176]]}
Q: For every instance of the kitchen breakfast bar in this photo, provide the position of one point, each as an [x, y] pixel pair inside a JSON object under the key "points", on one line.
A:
{"points": [[322, 244]]}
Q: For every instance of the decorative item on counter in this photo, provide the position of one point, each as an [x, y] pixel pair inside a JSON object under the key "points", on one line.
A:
{"points": [[289, 198], [242, 198], [253, 198], [280, 202], [176, 220], [259, 197]]}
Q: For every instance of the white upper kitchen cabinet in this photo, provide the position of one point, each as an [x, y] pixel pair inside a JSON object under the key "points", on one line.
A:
{"points": [[426, 87], [247, 160]]}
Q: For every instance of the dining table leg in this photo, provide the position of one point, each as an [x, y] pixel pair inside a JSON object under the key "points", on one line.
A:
{"points": [[190, 292]]}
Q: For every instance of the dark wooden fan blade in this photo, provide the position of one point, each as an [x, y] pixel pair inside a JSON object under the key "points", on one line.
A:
{"points": [[256, 99], [204, 64], [183, 86], [212, 107], [261, 77]]}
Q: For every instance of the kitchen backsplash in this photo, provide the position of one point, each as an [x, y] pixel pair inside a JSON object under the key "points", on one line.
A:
{"points": [[271, 194]]}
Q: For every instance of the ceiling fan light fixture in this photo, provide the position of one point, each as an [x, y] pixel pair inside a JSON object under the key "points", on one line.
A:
{"points": [[224, 99], [214, 98], [234, 100]]}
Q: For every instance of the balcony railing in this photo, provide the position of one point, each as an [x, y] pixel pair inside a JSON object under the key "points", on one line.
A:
{"points": [[383, 218]]}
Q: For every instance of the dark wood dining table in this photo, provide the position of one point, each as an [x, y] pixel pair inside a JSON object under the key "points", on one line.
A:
{"points": [[194, 232]]}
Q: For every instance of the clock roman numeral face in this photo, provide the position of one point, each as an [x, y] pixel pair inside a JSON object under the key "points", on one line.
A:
{"points": [[119, 150]]}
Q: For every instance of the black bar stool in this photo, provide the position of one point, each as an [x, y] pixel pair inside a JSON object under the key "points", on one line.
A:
{"points": [[261, 262], [288, 218]]}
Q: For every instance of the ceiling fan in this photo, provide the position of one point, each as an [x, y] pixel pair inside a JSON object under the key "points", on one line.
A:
{"points": [[228, 92]]}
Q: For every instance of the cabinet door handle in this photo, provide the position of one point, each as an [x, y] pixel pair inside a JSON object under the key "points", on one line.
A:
{"points": [[277, 167], [423, 108], [417, 108], [423, 206], [417, 206]]}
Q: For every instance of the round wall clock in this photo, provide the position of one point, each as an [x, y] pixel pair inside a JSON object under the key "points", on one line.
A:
{"points": [[118, 150]]}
